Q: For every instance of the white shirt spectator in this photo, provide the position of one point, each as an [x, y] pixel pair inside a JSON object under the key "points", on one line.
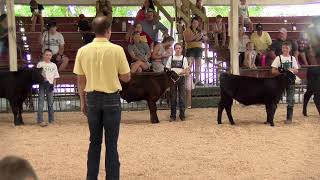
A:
{"points": [[177, 63], [49, 72], [286, 62], [54, 42], [243, 43]]}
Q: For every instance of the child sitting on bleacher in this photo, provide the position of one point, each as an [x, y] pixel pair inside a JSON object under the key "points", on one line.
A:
{"points": [[140, 54], [36, 10], [250, 56]]}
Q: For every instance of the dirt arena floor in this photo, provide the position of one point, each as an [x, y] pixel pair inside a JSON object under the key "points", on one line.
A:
{"points": [[194, 149]]}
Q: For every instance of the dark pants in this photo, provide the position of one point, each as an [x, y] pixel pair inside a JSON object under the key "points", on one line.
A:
{"points": [[290, 101], [180, 90], [104, 111]]}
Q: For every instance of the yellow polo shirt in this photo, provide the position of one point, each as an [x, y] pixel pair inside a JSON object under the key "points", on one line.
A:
{"points": [[262, 42], [101, 62]]}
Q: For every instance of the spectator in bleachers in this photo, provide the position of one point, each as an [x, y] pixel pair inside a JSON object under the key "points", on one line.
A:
{"points": [[144, 37], [4, 44], [193, 37], [276, 46], [152, 26], [250, 56], [303, 46], [50, 74], [53, 40], [261, 39], [244, 15], [262, 42], [143, 11], [200, 6], [219, 31], [243, 40], [36, 10], [161, 53], [179, 64], [140, 54], [16, 168], [313, 34], [85, 29]]}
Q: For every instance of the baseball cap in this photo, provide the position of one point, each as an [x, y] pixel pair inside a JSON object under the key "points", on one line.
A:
{"points": [[283, 30], [259, 27]]}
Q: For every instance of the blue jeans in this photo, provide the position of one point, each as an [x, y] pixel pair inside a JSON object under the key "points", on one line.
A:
{"points": [[290, 101], [179, 89], [45, 89], [104, 112]]}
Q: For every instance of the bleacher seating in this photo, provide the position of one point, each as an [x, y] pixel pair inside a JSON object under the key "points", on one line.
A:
{"points": [[73, 40]]}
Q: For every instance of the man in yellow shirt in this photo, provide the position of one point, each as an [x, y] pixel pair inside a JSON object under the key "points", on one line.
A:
{"points": [[261, 39], [100, 65]]}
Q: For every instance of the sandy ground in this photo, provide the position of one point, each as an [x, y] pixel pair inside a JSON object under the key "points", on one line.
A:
{"points": [[195, 149]]}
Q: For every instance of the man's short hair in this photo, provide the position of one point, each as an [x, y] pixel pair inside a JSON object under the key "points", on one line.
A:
{"points": [[100, 25], [16, 168], [51, 24], [283, 30], [287, 43], [219, 16]]}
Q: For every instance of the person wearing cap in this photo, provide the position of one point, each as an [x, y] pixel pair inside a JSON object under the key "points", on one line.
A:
{"points": [[276, 46], [152, 26], [4, 44], [53, 40], [262, 41]]}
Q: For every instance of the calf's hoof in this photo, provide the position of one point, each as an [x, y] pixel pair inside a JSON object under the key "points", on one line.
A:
{"points": [[18, 123], [271, 124], [232, 123], [304, 113], [219, 122], [155, 122]]}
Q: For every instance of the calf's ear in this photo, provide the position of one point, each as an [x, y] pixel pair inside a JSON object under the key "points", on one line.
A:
{"points": [[166, 69]]}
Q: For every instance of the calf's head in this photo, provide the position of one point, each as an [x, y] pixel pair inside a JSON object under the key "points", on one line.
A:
{"points": [[173, 76], [35, 74], [290, 77]]}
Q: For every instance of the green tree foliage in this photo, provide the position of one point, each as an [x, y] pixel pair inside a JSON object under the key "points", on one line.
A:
{"points": [[213, 11], [121, 11]]}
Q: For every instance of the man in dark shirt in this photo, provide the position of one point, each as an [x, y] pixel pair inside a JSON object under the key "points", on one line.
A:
{"points": [[276, 46]]}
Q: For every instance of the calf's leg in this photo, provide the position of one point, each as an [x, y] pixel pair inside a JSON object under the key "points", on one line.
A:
{"points": [[14, 107], [220, 110], [20, 110], [271, 109], [316, 99], [306, 99], [153, 112]]}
